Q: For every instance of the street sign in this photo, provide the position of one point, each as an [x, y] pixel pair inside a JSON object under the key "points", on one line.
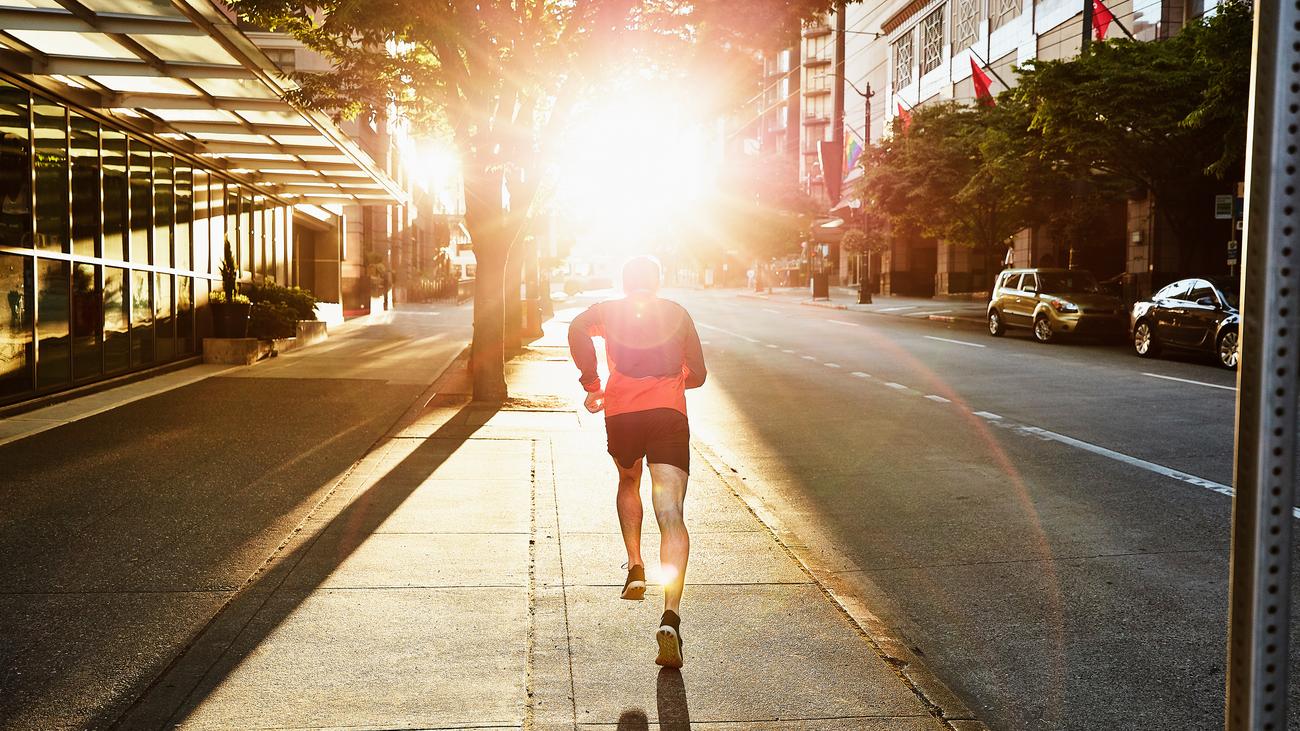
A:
{"points": [[1223, 207]]}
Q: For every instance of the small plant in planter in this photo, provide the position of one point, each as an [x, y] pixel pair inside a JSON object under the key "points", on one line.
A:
{"points": [[230, 309]]}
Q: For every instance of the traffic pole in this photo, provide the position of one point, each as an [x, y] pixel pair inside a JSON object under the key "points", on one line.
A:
{"points": [[1265, 451]]}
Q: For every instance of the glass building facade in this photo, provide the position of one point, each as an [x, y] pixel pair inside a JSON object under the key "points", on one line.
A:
{"points": [[109, 245]]}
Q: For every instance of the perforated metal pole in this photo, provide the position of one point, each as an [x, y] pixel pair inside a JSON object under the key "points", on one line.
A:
{"points": [[1265, 463]]}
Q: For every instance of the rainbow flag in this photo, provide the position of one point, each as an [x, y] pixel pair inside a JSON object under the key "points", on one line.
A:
{"points": [[852, 152]]}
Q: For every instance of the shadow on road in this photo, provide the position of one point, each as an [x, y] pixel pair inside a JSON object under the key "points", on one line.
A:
{"points": [[263, 605]]}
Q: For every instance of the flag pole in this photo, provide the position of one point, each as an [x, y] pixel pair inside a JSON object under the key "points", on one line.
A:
{"points": [[990, 68]]}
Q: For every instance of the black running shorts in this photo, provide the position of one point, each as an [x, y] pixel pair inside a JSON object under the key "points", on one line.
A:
{"points": [[662, 436]]}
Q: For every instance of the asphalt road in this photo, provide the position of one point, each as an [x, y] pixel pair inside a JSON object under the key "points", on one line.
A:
{"points": [[1045, 524]]}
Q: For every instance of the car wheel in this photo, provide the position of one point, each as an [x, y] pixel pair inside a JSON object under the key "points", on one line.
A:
{"points": [[1144, 340], [1226, 349], [996, 326], [1043, 332]]}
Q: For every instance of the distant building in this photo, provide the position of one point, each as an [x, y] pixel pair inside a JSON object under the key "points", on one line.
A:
{"points": [[911, 53]]}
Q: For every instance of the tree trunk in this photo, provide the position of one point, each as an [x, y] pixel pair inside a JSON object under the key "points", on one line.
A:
{"points": [[532, 291], [514, 307], [487, 356]]}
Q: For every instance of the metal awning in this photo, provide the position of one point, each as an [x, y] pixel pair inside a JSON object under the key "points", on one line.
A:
{"points": [[183, 72]]}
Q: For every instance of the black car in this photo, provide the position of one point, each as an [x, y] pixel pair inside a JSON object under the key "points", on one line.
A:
{"points": [[1198, 314]]}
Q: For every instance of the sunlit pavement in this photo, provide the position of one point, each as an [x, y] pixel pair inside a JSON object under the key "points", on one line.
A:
{"points": [[1046, 524]]}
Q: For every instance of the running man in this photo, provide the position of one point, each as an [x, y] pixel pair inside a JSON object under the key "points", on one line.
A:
{"points": [[654, 355]]}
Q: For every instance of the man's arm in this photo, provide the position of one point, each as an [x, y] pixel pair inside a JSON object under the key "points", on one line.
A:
{"points": [[583, 350], [693, 354]]}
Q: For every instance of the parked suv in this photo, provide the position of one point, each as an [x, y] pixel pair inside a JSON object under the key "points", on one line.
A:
{"points": [[1054, 301]]}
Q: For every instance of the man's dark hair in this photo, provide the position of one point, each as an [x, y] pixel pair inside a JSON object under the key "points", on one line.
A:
{"points": [[641, 274]]}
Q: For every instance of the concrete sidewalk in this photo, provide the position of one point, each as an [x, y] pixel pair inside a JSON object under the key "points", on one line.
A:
{"points": [[964, 311], [465, 574]]}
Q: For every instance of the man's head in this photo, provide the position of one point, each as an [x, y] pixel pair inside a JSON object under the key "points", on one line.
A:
{"points": [[641, 275]]}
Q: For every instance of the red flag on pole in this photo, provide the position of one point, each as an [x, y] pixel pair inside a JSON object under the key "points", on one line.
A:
{"points": [[905, 116], [982, 84], [1101, 18]]}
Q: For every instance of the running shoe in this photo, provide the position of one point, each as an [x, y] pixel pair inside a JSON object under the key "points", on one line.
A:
{"points": [[634, 587], [670, 641]]}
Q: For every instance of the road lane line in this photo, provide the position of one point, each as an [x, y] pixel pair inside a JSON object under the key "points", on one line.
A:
{"points": [[831, 365], [950, 340], [774, 312], [987, 415], [726, 332], [938, 399], [897, 386], [860, 374], [1188, 380], [841, 322], [808, 357], [771, 345], [787, 350]]}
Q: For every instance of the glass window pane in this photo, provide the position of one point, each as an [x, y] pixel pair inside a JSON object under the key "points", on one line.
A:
{"points": [[53, 348], [202, 222], [116, 212], [141, 318], [117, 321], [15, 170], [247, 235], [51, 150], [185, 315], [184, 214], [87, 321], [162, 209], [165, 338], [86, 208], [233, 224], [141, 201], [217, 242], [15, 325]]}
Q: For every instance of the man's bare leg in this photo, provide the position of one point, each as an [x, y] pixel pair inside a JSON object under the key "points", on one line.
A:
{"points": [[630, 515], [668, 493]]}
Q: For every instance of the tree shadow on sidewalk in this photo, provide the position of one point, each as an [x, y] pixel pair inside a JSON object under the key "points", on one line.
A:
{"points": [[670, 700], [285, 582]]}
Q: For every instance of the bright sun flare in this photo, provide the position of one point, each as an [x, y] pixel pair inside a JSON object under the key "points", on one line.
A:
{"points": [[631, 170]]}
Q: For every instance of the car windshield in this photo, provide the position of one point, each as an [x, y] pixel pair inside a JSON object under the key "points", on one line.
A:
{"points": [[1063, 282], [1230, 290]]}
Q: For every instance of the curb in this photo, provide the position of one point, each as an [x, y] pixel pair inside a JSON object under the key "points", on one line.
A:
{"points": [[933, 693]]}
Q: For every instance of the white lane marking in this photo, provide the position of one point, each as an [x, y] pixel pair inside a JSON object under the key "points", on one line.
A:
{"points": [[897, 386], [1158, 469], [841, 322], [955, 342], [987, 415], [831, 365], [938, 399], [1188, 380], [704, 342], [860, 374], [807, 357], [771, 345], [726, 332], [787, 350], [896, 309], [774, 312]]}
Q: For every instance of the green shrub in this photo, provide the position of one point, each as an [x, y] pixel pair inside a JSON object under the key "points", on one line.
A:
{"points": [[299, 301], [272, 320]]}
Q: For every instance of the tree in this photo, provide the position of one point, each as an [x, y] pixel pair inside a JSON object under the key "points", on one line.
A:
{"points": [[1094, 115], [952, 177], [500, 79]]}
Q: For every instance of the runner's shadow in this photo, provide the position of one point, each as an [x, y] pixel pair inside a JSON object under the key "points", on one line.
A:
{"points": [[670, 696], [670, 699]]}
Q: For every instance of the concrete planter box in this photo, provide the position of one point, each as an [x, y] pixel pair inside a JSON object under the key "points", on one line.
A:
{"points": [[247, 351], [311, 332]]}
